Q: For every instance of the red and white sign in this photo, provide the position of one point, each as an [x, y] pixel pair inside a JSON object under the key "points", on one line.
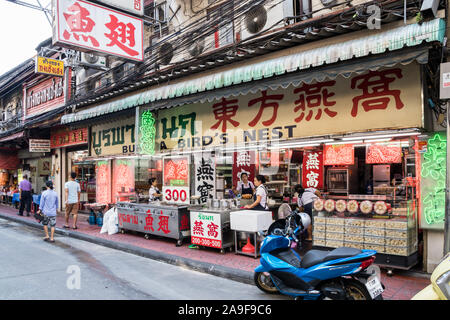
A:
{"points": [[243, 162], [80, 24], [339, 155], [383, 153], [206, 229], [176, 194], [133, 6], [313, 169]]}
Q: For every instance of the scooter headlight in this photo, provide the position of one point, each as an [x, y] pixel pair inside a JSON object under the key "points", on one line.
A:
{"points": [[443, 282]]}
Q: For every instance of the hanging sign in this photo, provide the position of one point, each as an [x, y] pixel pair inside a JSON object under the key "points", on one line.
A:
{"points": [[205, 176], [313, 169], [39, 145], [87, 26], [383, 153], [65, 137], [205, 229], [339, 155], [176, 180], [49, 66], [243, 162]]}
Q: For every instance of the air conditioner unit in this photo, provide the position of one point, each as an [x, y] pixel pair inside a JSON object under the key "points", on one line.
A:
{"points": [[92, 60], [263, 17], [169, 52]]}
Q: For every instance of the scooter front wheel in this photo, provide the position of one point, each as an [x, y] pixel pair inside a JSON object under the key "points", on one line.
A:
{"points": [[264, 283]]}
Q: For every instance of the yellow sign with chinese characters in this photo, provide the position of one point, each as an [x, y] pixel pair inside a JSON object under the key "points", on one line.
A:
{"points": [[49, 66]]}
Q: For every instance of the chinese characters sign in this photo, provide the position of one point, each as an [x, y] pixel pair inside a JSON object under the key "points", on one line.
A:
{"points": [[65, 137], [133, 6], [243, 162], [205, 176], [387, 98], [147, 133], [313, 169], [434, 168], [103, 182], [123, 179], [383, 153], [82, 24], [206, 229], [339, 155], [176, 180], [49, 66]]}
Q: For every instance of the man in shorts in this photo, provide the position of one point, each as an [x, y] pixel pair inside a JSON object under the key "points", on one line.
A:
{"points": [[73, 192], [48, 206]]}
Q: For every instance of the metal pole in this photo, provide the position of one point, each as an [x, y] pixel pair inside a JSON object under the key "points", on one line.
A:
{"points": [[447, 190]]}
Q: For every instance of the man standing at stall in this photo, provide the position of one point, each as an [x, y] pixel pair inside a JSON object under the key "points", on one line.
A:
{"points": [[305, 200], [73, 192], [25, 196]]}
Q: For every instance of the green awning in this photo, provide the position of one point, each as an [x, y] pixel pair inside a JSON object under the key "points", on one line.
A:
{"points": [[394, 39]]}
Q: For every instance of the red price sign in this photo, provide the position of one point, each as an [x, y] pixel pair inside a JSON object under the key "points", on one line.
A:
{"points": [[176, 195]]}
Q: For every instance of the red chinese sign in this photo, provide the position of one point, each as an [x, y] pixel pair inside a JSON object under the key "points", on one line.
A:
{"points": [[339, 155], [176, 172], [312, 169], [65, 137], [243, 162], [205, 229], [383, 153], [311, 98], [87, 25], [103, 182], [123, 180], [163, 223]]}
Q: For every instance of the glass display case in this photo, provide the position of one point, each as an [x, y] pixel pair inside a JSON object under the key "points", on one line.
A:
{"points": [[338, 181]]}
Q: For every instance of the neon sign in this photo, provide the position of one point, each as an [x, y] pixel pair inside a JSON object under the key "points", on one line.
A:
{"points": [[434, 168], [148, 133]]}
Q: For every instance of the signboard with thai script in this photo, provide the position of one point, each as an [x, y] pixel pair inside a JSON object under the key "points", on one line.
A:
{"points": [[66, 137], [87, 26], [339, 155], [206, 230], [113, 138], [49, 66], [374, 100], [313, 169], [133, 6], [176, 180], [205, 176], [39, 145]]}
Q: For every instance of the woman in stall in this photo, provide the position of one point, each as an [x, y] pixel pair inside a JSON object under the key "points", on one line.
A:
{"points": [[245, 187], [260, 197], [153, 192]]}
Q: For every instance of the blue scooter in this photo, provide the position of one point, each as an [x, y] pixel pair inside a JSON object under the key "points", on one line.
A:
{"points": [[340, 274]]}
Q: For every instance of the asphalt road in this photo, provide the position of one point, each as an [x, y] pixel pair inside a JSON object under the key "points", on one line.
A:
{"points": [[74, 269]]}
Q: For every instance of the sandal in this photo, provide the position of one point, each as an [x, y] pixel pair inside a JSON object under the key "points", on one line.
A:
{"points": [[66, 227], [46, 239], [75, 228], [52, 240]]}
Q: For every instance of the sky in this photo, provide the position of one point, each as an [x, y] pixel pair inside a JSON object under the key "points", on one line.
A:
{"points": [[21, 30]]}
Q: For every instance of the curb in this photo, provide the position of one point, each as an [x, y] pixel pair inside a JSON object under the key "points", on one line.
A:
{"points": [[200, 266]]}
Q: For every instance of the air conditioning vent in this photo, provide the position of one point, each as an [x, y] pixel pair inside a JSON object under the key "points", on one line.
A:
{"points": [[92, 60], [256, 19], [196, 46]]}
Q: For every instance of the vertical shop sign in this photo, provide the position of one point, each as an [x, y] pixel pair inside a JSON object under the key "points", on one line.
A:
{"points": [[205, 176], [123, 179], [434, 169], [313, 169], [147, 131], [176, 180], [205, 229], [243, 162], [103, 182]]}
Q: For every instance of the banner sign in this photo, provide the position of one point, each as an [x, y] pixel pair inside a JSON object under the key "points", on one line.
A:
{"points": [[39, 145], [375, 100], [66, 137], [313, 169], [123, 179], [49, 66], [103, 182], [243, 162], [205, 176], [339, 155], [113, 138], [383, 153], [83, 25], [176, 180], [206, 230]]}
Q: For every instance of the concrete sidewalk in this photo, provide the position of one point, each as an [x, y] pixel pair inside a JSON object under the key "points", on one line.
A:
{"points": [[402, 286]]}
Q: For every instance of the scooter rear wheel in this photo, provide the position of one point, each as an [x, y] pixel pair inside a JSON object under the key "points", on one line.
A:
{"points": [[264, 283], [355, 290]]}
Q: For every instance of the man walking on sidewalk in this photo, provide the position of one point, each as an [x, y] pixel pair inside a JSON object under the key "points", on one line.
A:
{"points": [[73, 192], [25, 196], [48, 206]]}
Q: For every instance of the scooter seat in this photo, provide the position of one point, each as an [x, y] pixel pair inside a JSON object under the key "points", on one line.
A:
{"points": [[314, 257]]}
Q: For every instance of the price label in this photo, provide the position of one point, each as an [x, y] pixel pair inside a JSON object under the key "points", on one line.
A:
{"points": [[176, 194]]}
